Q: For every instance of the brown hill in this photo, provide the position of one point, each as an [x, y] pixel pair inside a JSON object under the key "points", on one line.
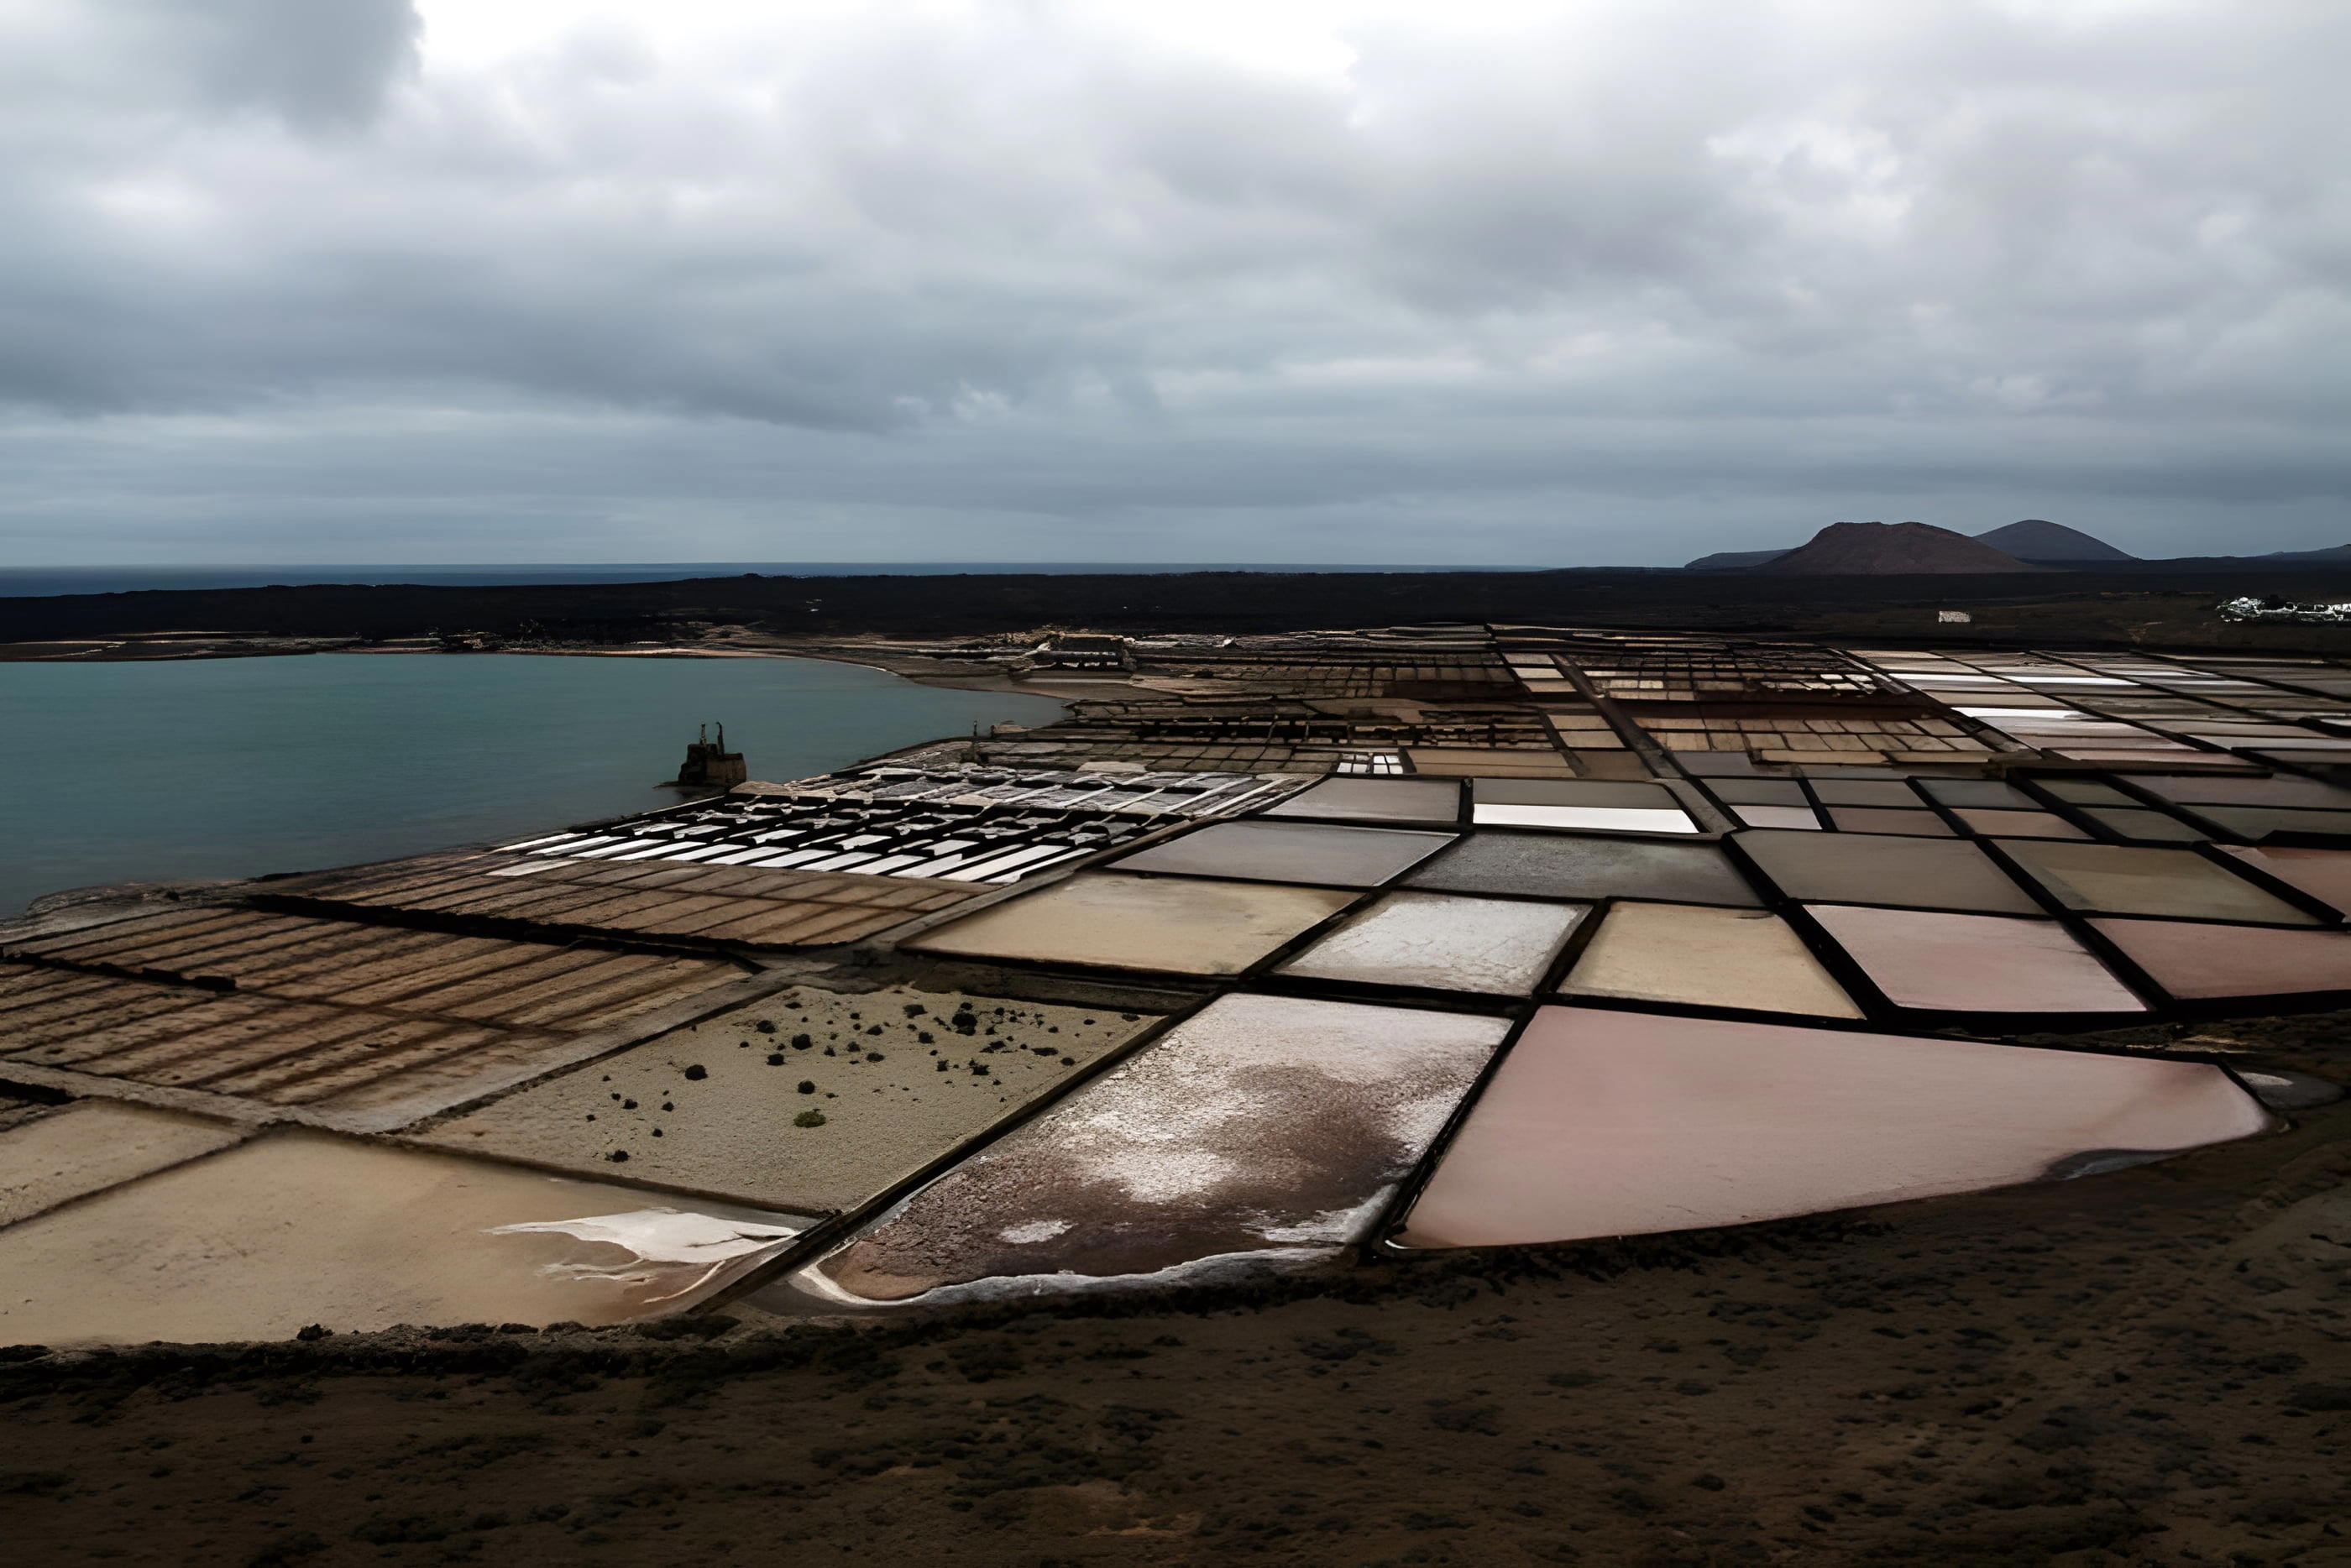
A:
{"points": [[1891, 549], [2038, 539]]}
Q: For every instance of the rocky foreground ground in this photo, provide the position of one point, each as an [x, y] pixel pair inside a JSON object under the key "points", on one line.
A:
{"points": [[2143, 1367]]}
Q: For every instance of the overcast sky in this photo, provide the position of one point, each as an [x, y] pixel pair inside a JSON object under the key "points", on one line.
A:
{"points": [[1214, 280]]}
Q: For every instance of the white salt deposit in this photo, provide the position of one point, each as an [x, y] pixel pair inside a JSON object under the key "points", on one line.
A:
{"points": [[1444, 941], [669, 1251]]}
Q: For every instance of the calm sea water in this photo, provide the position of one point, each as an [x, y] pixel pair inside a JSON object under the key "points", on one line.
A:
{"points": [[233, 767], [37, 581]]}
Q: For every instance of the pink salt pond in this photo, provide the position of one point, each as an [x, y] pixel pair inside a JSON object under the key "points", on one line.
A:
{"points": [[1611, 1124], [2193, 961], [1933, 962]]}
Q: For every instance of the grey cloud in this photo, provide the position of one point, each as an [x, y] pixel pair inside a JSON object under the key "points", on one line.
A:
{"points": [[319, 63], [1700, 266]]}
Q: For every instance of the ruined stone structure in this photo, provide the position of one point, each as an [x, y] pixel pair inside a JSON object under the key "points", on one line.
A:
{"points": [[710, 765]]}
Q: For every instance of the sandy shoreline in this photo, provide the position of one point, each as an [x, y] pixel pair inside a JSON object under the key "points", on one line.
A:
{"points": [[28, 653]]}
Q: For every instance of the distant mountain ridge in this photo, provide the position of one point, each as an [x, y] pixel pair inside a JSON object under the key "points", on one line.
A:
{"points": [[2031, 542], [2037, 539], [1733, 560], [1892, 549]]}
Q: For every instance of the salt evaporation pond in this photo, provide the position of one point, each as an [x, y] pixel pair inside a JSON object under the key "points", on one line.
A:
{"points": [[1263, 1132], [1618, 1124], [300, 1227]]}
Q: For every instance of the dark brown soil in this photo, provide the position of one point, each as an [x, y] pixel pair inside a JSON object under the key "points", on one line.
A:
{"points": [[2138, 1369], [2129, 602]]}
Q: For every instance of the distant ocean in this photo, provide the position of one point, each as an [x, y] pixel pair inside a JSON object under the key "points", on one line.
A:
{"points": [[232, 768], [18, 582]]}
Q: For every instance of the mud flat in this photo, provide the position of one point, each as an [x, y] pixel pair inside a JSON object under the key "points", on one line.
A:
{"points": [[1284, 852], [1696, 955], [2123, 879], [1563, 866], [299, 1227], [83, 1148], [1168, 925], [893, 1079]]}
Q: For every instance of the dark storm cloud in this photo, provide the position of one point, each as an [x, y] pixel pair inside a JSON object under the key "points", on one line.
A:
{"points": [[320, 64], [1608, 283]]}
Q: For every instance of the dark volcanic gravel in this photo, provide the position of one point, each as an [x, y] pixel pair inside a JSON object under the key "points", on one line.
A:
{"points": [[2142, 603]]}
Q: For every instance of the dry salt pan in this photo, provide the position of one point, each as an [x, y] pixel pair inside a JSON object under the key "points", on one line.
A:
{"points": [[1399, 800], [97, 1144], [1990, 823], [2129, 880], [1867, 869], [1262, 851], [1875, 819], [1264, 1130], [298, 1228], [669, 1253], [1593, 805], [1698, 957], [897, 1077], [1165, 925], [1440, 941], [1799, 818], [1572, 866]]}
